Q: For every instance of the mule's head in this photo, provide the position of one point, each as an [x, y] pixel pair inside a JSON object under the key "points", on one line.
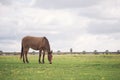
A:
{"points": [[50, 57]]}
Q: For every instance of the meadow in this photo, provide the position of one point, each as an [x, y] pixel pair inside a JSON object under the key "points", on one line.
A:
{"points": [[64, 67]]}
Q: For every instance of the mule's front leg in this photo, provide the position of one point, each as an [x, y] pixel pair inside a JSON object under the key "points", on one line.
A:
{"points": [[39, 57], [43, 57]]}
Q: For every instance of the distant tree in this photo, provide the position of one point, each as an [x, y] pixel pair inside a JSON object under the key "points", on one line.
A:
{"points": [[1, 52], [95, 52], [33, 52], [107, 51], [71, 50], [84, 52], [58, 51], [118, 51]]}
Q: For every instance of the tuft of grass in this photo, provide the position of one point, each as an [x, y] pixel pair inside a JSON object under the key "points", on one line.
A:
{"points": [[64, 67]]}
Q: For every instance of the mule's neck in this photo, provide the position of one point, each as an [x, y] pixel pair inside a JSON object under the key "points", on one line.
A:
{"points": [[47, 45], [48, 48]]}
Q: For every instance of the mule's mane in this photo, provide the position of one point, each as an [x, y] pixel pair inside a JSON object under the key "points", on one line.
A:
{"points": [[47, 45]]}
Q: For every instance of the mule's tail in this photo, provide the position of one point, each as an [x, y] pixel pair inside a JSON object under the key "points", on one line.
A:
{"points": [[21, 55]]}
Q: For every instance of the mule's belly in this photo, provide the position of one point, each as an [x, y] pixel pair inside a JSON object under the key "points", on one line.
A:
{"points": [[35, 47]]}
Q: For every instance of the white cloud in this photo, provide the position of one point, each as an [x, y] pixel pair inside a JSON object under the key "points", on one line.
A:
{"points": [[53, 4], [78, 24], [96, 42], [104, 27]]}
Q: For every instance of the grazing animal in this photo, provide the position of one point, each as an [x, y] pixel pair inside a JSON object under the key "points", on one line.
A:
{"points": [[36, 43]]}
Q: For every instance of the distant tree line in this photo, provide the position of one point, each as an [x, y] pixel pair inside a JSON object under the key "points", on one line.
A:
{"points": [[105, 52], [96, 52]]}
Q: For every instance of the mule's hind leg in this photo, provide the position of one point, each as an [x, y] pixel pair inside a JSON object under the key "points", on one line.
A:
{"points": [[23, 58], [26, 56]]}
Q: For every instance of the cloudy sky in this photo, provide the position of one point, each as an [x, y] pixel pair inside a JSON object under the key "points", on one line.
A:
{"points": [[79, 24]]}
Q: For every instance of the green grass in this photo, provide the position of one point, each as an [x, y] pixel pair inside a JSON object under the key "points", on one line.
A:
{"points": [[64, 67]]}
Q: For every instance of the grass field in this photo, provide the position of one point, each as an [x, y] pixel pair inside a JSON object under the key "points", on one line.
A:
{"points": [[64, 67]]}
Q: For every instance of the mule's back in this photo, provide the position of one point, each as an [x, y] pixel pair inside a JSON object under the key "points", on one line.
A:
{"points": [[33, 42]]}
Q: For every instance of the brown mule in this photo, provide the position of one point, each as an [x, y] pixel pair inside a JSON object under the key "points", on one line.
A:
{"points": [[36, 43]]}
